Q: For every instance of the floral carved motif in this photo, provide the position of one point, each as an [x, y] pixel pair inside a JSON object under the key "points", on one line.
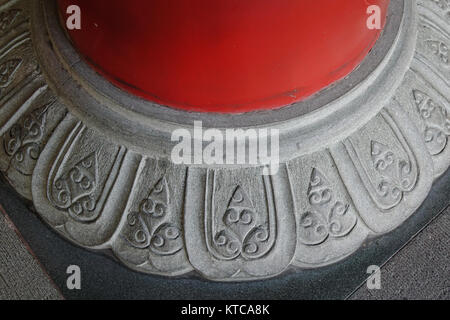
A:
{"points": [[397, 174], [8, 69], [388, 169], [7, 18], [241, 234], [440, 49], [437, 122], [327, 217], [444, 5], [149, 226], [23, 141], [74, 191]]}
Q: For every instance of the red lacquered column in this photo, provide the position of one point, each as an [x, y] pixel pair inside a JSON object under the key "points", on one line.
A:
{"points": [[224, 55]]}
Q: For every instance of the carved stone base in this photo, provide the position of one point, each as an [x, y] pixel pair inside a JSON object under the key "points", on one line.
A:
{"points": [[357, 158]]}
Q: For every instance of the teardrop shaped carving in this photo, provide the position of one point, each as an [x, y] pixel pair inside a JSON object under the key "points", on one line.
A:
{"points": [[23, 141], [7, 19], [149, 228], [327, 217], [240, 233], [437, 122], [74, 190], [440, 49], [8, 69]]}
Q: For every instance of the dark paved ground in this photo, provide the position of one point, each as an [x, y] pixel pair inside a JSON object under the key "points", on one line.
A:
{"points": [[421, 270], [21, 275], [415, 262]]}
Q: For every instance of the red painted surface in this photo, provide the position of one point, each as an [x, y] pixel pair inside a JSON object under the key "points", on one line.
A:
{"points": [[224, 55]]}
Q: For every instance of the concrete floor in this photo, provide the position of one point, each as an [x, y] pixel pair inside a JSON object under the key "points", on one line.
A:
{"points": [[21, 275], [421, 270]]}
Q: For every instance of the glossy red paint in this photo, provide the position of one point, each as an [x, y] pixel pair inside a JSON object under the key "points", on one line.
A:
{"points": [[224, 55]]}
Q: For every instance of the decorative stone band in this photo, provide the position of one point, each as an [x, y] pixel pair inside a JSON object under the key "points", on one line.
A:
{"points": [[108, 192]]}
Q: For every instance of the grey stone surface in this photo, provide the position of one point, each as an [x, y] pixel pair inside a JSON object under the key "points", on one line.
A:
{"points": [[440, 7], [78, 183], [104, 278], [151, 235], [328, 225], [21, 275], [243, 224], [386, 169], [429, 111], [24, 140], [421, 270], [99, 173]]}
